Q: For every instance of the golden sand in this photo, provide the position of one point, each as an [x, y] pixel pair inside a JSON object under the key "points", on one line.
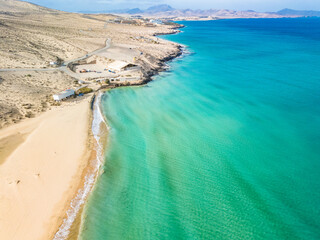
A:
{"points": [[42, 174]]}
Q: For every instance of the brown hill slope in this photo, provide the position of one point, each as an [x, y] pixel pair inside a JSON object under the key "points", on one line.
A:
{"points": [[14, 6]]}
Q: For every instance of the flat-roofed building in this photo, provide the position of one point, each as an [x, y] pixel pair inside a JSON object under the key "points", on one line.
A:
{"points": [[63, 95], [121, 66]]}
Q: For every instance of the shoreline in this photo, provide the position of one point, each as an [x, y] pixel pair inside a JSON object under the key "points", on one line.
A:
{"points": [[72, 229], [90, 174]]}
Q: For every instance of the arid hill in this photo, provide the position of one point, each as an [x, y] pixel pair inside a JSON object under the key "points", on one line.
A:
{"points": [[13, 6], [32, 36]]}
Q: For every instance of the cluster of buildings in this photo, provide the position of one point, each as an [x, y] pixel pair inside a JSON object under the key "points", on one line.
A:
{"points": [[136, 20], [109, 67], [102, 69]]}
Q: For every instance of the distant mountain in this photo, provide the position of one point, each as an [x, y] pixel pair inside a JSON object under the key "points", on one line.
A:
{"points": [[134, 11], [159, 8], [150, 11], [166, 11], [287, 11], [169, 12]]}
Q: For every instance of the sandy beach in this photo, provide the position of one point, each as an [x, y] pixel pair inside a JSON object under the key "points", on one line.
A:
{"points": [[43, 170]]}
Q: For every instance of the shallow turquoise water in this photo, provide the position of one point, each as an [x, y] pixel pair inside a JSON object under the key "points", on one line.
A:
{"points": [[224, 146]]}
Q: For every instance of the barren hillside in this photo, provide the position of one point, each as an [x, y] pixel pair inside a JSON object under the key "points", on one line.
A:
{"points": [[14, 6], [32, 36]]}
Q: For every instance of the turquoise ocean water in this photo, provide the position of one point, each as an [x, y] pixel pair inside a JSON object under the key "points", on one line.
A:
{"points": [[226, 145]]}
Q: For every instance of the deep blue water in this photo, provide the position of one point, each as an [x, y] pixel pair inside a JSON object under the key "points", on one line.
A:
{"points": [[224, 146]]}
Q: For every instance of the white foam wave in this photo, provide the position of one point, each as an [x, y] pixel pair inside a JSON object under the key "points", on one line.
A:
{"points": [[77, 202]]}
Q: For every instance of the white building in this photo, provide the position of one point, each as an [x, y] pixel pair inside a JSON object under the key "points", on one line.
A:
{"points": [[120, 65], [65, 94], [156, 21]]}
